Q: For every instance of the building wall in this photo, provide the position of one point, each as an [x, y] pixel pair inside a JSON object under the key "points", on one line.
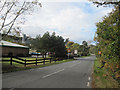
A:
{"points": [[15, 51]]}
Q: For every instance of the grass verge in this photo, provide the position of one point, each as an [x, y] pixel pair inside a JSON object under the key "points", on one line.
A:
{"points": [[6, 67], [101, 78]]}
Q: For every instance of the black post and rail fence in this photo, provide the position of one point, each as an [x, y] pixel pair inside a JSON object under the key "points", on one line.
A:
{"points": [[29, 62]]}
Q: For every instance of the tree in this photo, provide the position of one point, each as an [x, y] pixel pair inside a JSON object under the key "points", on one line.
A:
{"points": [[10, 12], [69, 44], [50, 43], [108, 39], [85, 49], [84, 43], [36, 43], [60, 49], [57, 46], [45, 43], [75, 46], [67, 40], [106, 2], [92, 49]]}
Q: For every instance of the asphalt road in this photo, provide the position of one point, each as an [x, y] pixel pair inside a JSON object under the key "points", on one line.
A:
{"points": [[74, 74]]}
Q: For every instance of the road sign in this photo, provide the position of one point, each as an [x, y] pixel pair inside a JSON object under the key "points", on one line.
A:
{"points": [[75, 51], [68, 50], [99, 52]]}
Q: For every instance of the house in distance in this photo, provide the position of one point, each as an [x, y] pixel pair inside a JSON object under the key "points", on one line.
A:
{"points": [[13, 49]]}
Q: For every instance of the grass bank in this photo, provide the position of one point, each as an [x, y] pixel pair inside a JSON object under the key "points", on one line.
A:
{"points": [[101, 78], [6, 67]]}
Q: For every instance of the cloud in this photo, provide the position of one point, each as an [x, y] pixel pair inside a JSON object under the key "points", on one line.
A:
{"points": [[73, 20]]}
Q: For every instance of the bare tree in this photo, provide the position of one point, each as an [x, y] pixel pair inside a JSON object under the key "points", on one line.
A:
{"points": [[107, 3], [12, 13]]}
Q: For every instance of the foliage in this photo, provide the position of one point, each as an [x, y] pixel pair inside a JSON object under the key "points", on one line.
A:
{"points": [[72, 46], [57, 46], [35, 43], [85, 49], [75, 46], [67, 40], [69, 44], [92, 49], [108, 41], [101, 77], [50, 43]]}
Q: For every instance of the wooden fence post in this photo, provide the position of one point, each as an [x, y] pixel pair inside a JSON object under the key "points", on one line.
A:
{"points": [[44, 61], [55, 60], [50, 60], [11, 60], [36, 61], [25, 62]]}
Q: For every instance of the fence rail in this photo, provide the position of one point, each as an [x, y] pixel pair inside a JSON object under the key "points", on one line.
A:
{"points": [[29, 62], [18, 62]]}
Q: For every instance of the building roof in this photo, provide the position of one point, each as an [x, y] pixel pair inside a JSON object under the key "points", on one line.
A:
{"points": [[9, 44]]}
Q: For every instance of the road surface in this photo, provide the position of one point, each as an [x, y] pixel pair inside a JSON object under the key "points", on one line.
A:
{"points": [[74, 74]]}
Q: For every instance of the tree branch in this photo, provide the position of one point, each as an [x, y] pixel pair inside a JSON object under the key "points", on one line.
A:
{"points": [[24, 7], [18, 13], [8, 31], [6, 16], [106, 3], [3, 6]]}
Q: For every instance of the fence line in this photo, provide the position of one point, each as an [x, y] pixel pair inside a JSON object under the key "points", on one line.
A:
{"points": [[29, 62]]}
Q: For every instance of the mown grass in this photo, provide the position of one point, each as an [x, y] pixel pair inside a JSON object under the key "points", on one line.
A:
{"points": [[6, 67], [101, 78], [27, 58]]}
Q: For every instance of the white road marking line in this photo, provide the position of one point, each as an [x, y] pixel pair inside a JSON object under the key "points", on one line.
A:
{"points": [[89, 78], [88, 84], [53, 73]]}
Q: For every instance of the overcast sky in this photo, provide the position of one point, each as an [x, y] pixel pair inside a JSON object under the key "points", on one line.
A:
{"points": [[74, 20]]}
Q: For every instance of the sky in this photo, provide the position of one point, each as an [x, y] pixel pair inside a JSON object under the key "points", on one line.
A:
{"points": [[71, 19]]}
